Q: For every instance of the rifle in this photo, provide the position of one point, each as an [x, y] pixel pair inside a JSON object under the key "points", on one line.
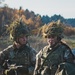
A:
{"points": [[14, 69]]}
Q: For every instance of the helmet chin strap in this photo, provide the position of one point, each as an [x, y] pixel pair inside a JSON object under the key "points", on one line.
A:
{"points": [[17, 43]]}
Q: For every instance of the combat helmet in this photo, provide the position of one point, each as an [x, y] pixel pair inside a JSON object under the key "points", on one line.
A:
{"points": [[54, 29], [18, 28]]}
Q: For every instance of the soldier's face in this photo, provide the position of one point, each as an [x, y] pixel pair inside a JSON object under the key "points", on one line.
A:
{"points": [[22, 39], [52, 40]]}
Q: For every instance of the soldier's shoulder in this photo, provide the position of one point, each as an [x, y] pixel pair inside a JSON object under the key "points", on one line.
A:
{"points": [[10, 47], [39, 54], [46, 47], [6, 50], [64, 45], [32, 50]]}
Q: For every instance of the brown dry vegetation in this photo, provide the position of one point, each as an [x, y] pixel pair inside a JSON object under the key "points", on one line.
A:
{"points": [[68, 31], [37, 42], [32, 20]]}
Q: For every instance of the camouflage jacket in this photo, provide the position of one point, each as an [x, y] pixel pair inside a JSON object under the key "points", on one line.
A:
{"points": [[58, 54], [24, 56]]}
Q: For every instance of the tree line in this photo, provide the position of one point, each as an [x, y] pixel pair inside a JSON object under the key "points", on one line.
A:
{"points": [[34, 21]]}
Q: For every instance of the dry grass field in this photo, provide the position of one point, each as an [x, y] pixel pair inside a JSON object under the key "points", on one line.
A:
{"points": [[36, 42]]}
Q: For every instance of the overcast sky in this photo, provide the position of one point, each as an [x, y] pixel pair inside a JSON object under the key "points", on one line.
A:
{"points": [[65, 8]]}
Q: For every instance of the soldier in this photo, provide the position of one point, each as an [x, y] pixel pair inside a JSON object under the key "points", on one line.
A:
{"points": [[19, 58], [56, 52]]}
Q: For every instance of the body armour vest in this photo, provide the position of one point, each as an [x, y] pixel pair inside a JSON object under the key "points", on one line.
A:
{"points": [[20, 56]]}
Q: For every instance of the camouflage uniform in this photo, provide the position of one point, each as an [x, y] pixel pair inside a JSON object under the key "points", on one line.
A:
{"points": [[24, 56], [59, 53], [17, 61]]}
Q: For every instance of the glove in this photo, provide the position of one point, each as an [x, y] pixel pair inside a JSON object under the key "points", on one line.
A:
{"points": [[22, 70]]}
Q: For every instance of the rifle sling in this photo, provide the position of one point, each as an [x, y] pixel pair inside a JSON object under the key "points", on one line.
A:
{"points": [[48, 56]]}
